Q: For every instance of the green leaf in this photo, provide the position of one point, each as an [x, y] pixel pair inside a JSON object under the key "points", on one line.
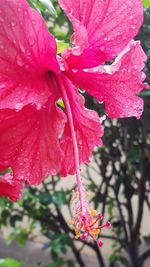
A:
{"points": [[8, 262], [134, 155], [56, 246], [59, 198], [70, 263], [14, 219], [48, 4], [50, 265], [146, 3], [4, 202], [145, 93], [61, 45], [45, 198], [60, 103]]}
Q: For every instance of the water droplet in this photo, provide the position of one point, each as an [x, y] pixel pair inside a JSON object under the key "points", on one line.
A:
{"points": [[23, 49], [1, 19], [74, 70], [62, 63], [33, 22], [85, 70], [5, 162], [124, 37], [27, 66], [1, 46], [73, 39], [18, 106], [133, 26], [20, 61], [31, 41], [13, 23], [102, 48], [76, 50], [2, 85]]}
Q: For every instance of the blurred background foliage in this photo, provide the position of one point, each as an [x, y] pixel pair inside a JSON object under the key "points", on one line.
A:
{"points": [[120, 192]]}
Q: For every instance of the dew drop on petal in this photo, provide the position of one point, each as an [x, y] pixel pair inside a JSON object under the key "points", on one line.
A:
{"points": [[102, 48], [1, 19], [76, 50], [74, 70], [20, 61], [31, 41], [85, 70], [18, 106], [13, 23], [2, 86]]}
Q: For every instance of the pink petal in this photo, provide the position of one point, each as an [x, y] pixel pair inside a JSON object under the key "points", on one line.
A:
{"points": [[9, 187], [88, 131], [27, 52], [102, 28], [116, 84], [29, 142], [2, 168]]}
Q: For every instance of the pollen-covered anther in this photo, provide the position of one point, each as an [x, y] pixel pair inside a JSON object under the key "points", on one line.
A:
{"points": [[100, 243], [70, 222], [84, 236], [88, 225]]}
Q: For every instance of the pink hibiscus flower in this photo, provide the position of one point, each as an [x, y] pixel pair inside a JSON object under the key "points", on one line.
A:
{"points": [[37, 137], [10, 187]]}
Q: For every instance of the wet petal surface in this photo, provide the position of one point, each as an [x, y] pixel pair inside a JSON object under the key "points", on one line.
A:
{"points": [[9, 187], [32, 137], [27, 52], [116, 85], [87, 127], [102, 29]]}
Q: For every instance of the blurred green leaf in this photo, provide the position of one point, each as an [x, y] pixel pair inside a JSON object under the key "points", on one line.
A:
{"points": [[60, 103], [61, 45], [50, 265], [48, 4], [58, 263], [145, 93], [15, 218], [70, 263], [146, 3], [134, 154], [56, 246], [59, 198], [8, 262], [4, 202], [20, 235], [45, 198]]}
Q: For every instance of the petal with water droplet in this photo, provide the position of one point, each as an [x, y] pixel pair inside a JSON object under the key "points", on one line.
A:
{"points": [[9, 187], [118, 84], [106, 26], [29, 142], [88, 131], [27, 52]]}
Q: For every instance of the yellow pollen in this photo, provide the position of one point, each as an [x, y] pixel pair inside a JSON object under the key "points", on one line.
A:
{"points": [[93, 213], [71, 222]]}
